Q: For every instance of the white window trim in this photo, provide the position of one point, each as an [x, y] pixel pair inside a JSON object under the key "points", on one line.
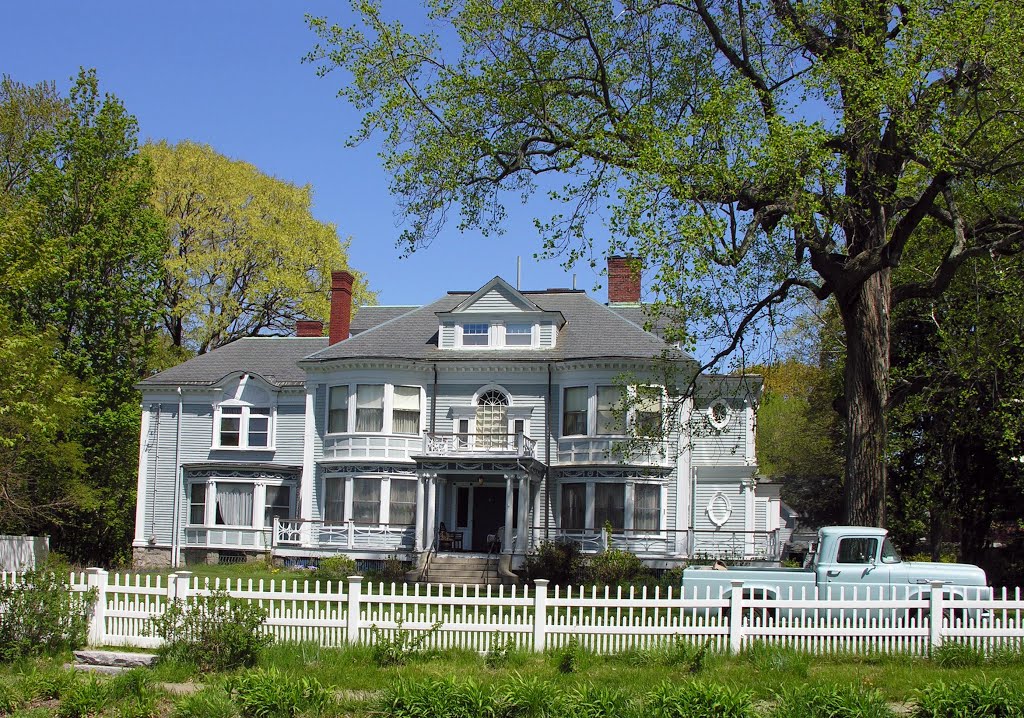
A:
{"points": [[387, 427], [497, 334], [259, 501], [243, 429], [490, 344], [715, 423], [630, 418]]}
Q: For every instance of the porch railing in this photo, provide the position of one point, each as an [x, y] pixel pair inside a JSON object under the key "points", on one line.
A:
{"points": [[317, 534], [438, 444], [692, 543]]}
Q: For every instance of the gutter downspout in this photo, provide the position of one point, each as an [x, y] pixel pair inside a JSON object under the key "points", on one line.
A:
{"points": [[433, 403], [178, 488], [547, 460]]}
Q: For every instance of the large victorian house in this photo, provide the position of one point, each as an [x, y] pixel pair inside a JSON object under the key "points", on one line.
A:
{"points": [[485, 422]]}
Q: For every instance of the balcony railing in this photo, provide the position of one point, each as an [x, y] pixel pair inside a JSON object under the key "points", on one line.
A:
{"points": [[295, 533], [699, 544], [518, 445]]}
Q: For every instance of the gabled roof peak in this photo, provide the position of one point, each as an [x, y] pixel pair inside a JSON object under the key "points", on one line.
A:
{"points": [[497, 284]]}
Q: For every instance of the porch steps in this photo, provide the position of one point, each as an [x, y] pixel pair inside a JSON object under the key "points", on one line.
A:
{"points": [[471, 570]]}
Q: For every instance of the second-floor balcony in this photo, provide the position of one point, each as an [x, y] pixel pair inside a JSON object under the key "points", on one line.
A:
{"points": [[513, 445]]}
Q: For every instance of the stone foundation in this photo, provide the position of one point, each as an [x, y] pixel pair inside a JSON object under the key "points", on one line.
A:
{"points": [[144, 557]]}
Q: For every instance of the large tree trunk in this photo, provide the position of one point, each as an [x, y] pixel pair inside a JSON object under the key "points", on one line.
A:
{"points": [[865, 312]]}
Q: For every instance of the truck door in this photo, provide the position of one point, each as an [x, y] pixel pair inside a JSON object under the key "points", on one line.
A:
{"points": [[856, 566]]}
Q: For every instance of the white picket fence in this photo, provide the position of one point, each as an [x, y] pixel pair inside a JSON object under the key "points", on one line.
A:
{"points": [[601, 619]]}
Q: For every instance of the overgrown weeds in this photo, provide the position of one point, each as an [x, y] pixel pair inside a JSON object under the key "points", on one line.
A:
{"points": [[831, 702], [402, 645], [40, 615], [214, 632], [268, 693]]}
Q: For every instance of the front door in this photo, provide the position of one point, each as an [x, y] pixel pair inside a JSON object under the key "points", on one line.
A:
{"points": [[488, 514]]}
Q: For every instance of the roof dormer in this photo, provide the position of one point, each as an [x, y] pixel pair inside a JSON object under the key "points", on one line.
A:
{"points": [[497, 316]]}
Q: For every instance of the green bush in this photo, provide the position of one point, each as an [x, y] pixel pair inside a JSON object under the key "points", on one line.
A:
{"points": [[568, 658], [214, 632], [401, 646], [698, 700], [981, 699], [267, 693], [597, 702], [391, 570], [11, 698], [831, 702], [617, 568], [958, 655], [530, 698], [83, 699], [336, 568], [501, 651], [42, 615], [560, 562]]}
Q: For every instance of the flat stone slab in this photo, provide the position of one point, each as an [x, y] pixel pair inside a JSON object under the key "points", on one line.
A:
{"points": [[120, 659], [102, 670]]}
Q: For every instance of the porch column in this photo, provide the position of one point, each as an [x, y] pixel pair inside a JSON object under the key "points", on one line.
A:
{"points": [[524, 503], [537, 515], [420, 478], [431, 521], [308, 469], [749, 519], [506, 540]]}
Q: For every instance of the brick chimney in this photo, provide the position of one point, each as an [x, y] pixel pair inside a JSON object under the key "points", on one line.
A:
{"points": [[309, 328], [624, 280], [341, 305]]}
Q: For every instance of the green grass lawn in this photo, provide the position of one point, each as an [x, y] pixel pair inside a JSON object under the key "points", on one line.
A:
{"points": [[357, 683]]}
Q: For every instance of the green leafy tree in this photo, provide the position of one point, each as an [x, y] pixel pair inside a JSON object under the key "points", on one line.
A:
{"points": [[83, 251], [245, 255], [752, 153]]}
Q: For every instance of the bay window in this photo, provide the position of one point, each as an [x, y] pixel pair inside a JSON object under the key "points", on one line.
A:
{"points": [[610, 410], [234, 504], [197, 504], [574, 413], [574, 506], [646, 507], [405, 416], [239, 504], [337, 409], [370, 407], [366, 501], [334, 500], [403, 502], [610, 506]]}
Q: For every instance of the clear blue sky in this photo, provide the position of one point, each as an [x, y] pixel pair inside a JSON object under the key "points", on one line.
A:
{"points": [[229, 74]]}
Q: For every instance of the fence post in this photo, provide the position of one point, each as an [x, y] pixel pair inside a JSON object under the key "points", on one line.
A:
{"points": [[736, 616], [355, 590], [540, 614], [935, 608], [96, 578]]}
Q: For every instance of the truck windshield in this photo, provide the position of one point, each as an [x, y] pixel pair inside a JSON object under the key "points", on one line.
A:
{"points": [[889, 552]]}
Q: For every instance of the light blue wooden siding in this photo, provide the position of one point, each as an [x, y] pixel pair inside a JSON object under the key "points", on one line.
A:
{"points": [[760, 515], [732, 490], [290, 434], [447, 335], [717, 447], [547, 335], [494, 301]]}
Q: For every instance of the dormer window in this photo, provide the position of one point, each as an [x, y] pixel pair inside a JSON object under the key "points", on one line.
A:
{"points": [[518, 335], [475, 335], [244, 427]]}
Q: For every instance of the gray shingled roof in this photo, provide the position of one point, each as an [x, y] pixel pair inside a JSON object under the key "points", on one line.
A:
{"points": [[592, 330], [273, 358], [369, 317]]}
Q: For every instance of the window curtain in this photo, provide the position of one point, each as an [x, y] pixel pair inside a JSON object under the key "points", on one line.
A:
{"points": [[406, 413], [334, 500], [403, 502], [646, 507], [610, 505], [337, 413], [370, 407], [366, 501], [574, 422], [234, 504], [574, 508]]}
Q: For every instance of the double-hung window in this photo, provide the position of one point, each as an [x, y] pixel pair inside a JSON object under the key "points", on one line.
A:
{"points": [[244, 427], [647, 411], [337, 411], [197, 504], [574, 413], [475, 335], [574, 506], [334, 500], [277, 504], [610, 505], [366, 501], [518, 335], [609, 410], [646, 507], [403, 502], [370, 407], [405, 414]]}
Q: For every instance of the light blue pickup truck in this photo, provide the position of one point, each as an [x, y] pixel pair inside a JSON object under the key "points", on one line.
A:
{"points": [[845, 560]]}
